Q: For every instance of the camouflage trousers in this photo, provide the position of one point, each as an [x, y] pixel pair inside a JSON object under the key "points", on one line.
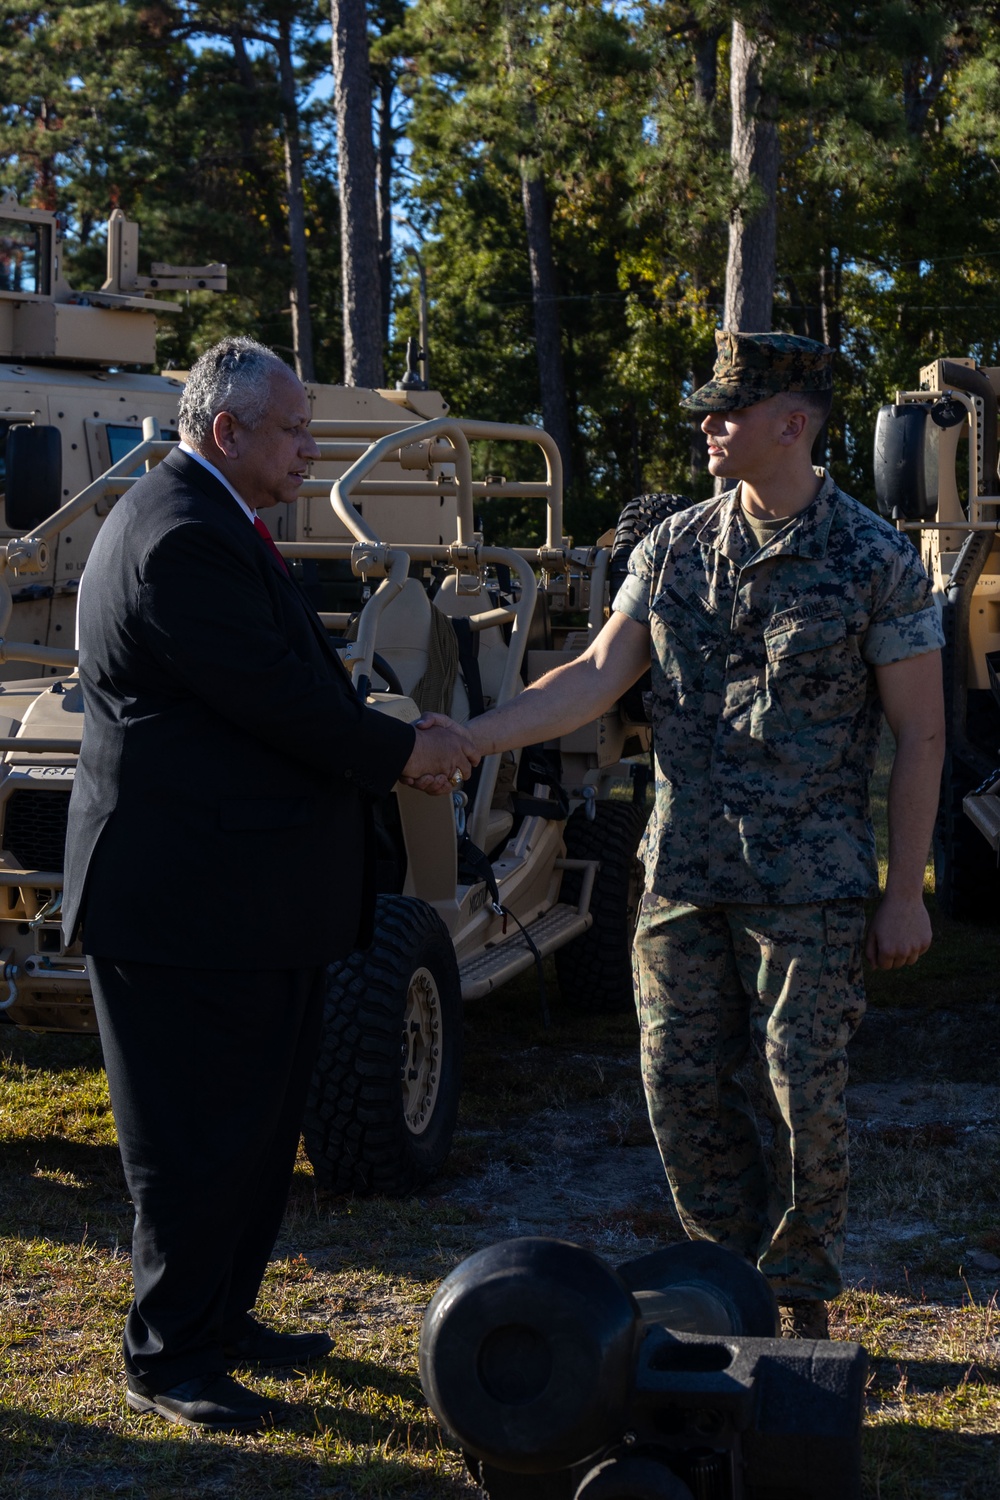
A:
{"points": [[774, 992]]}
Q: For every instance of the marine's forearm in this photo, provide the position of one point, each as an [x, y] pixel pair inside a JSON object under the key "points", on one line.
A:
{"points": [[559, 702], [569, 695], [914, 787]]}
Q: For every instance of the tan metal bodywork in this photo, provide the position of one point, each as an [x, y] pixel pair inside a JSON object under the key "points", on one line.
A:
{"points": [[52, 989], [398, 471], [940, 542], [82, 405], [43, 720]]}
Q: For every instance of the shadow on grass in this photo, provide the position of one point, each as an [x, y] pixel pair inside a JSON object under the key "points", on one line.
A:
{"points": [[904, 1461], [956, 1039], [917, 1444], [53, 1187], [49, 1051], [42, 1458]]}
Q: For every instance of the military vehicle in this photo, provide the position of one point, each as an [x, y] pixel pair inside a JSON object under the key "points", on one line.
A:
{"points": [[533, 857], [936, 477]]}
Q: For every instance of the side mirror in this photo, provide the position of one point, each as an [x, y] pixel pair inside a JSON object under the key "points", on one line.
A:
{"points": [[33, 486]]}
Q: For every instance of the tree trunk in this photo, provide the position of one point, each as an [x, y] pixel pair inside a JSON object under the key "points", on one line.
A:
{"points": [[385, 87], [830, 446], [44, 191], [706, 64], [635, 450], [551, 375], [922, 85], [356, 173], [252, 163], [302, 340], [750, 268]]}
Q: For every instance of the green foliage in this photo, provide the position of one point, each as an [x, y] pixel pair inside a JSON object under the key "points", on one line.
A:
{"points": [[889, 127], [883, 201], [108, 104]]}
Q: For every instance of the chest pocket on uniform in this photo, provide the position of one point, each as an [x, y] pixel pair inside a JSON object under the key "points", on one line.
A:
{"points": [[686, 636], [813, 672]]}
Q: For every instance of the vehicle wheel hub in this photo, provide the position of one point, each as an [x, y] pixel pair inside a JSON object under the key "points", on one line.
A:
{"points": [[420, 1072]]}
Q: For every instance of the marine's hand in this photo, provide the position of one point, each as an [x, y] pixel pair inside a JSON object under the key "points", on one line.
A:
{"points": [[900, 932], [442, 751]]}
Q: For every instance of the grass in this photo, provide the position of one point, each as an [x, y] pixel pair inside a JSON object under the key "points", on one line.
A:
{"points": [[925, 1197]]}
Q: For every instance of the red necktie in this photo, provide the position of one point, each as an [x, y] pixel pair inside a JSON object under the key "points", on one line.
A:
{"points": [[268, 540]]}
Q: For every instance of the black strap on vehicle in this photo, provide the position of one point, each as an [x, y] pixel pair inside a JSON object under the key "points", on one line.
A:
{"points": [[539, 767], [468, 660], [474, 866]]}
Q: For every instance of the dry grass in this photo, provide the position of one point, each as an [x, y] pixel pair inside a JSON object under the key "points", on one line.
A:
{"points": [[924, 1197], [365, 1269]]}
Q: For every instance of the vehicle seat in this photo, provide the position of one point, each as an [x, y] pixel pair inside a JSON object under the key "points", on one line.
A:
{"points": [[404, 634], [493, 649]]}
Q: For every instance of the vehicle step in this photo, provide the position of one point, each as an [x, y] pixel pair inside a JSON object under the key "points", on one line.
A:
{"points": [[487, 971]]}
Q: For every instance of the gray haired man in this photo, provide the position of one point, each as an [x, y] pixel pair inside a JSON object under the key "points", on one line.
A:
{"points": [[219, 856]]}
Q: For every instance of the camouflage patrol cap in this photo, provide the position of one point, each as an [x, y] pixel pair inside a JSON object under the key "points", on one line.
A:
{"points": [[750, 367]]}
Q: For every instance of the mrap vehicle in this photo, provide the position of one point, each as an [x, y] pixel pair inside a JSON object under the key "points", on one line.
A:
{"points": [[534, 857]]}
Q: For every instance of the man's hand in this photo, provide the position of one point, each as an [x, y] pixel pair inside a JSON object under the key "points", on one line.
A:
{"points": [[899, 933], [442, 749]]}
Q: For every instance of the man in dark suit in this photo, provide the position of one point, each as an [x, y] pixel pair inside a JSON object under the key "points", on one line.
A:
{"points": [[218, 855]]}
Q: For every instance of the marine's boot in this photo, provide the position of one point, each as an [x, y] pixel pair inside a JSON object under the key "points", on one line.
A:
{"points": [[804, 1318]]}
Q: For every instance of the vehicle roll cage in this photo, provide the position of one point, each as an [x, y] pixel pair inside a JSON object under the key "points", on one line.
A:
{"points": [[441, 442]]}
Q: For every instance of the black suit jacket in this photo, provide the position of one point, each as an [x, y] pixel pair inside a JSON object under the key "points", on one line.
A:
{"points": [[220, 807]]}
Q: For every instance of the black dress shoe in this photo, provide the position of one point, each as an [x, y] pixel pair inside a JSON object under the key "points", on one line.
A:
{"points": [[215, 1403], [267, 1349]]}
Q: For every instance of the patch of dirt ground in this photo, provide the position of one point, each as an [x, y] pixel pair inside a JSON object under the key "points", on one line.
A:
{"points": [[925, 1177]]}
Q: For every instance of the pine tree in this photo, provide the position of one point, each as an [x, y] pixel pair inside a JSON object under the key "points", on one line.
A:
{"points": [[358, 219]]}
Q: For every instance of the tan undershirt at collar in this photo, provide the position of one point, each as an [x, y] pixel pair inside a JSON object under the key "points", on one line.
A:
{"points": [[765, 527]]}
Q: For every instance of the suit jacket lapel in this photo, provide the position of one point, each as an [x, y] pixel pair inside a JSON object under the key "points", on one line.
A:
{"points": [[195, 473]]}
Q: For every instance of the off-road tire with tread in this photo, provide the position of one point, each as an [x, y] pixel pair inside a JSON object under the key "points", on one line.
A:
{"points": [[595, 969], [636, 522], [384, 1094]]}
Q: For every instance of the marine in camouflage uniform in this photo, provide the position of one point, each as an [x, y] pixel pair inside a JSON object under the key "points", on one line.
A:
{"points": [[776, 620], [760, 851]]}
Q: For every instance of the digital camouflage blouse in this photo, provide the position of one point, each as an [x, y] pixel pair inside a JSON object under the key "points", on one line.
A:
{"points": [[765, 710]]}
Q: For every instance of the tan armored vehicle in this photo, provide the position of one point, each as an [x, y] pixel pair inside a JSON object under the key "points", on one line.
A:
{"points": [[936, 477], [533, 857]]}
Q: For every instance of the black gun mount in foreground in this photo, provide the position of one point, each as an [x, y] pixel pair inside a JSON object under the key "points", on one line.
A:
{"points": [[563, 1379]]}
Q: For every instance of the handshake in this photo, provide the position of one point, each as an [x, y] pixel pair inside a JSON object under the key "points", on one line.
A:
{"points": [[443, 756]]}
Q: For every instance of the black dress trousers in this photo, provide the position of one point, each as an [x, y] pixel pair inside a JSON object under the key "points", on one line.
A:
{"points": [[208, 1072]]}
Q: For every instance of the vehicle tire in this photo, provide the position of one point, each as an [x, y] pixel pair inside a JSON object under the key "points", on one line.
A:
{"points": [[384, 1094], [966, 878], [636, 522], [595, 969]]}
